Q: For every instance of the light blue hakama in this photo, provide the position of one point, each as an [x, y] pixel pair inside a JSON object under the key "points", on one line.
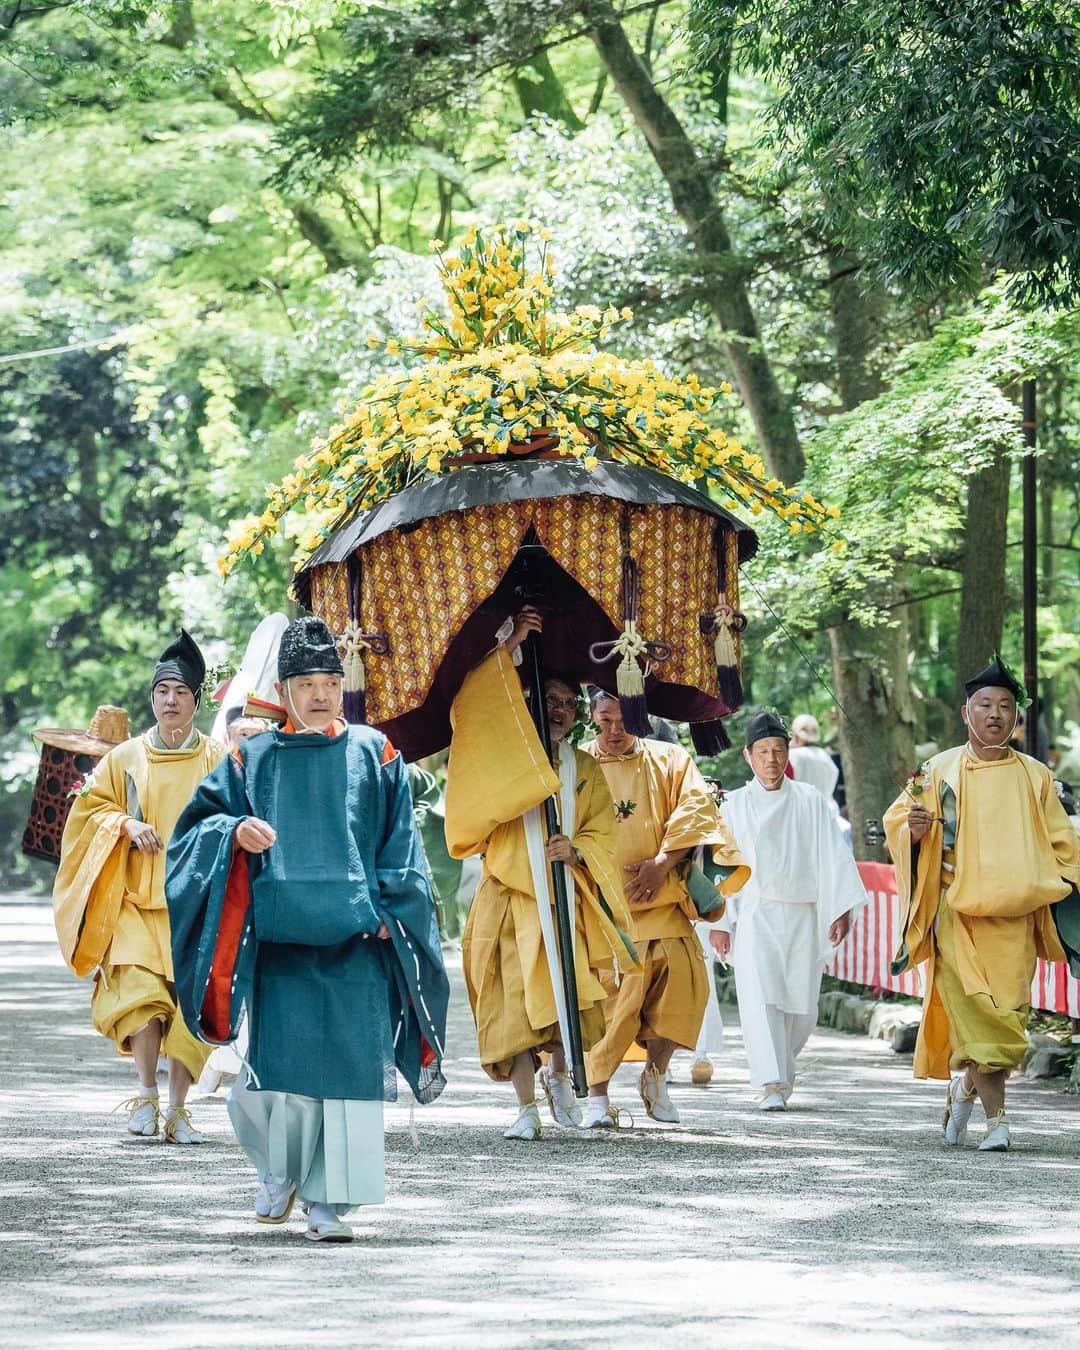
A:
{"points": [[332, 1150]]}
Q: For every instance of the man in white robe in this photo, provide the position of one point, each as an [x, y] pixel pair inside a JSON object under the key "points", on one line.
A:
{"points": [[780, 928], [809, 762]]}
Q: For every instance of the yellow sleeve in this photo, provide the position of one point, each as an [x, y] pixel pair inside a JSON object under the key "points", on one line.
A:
{"points": [[898, 842], [692, 815], [918, 876], [594, 837], [89, 886], [694, 818], [497, 768], [608, 925]]}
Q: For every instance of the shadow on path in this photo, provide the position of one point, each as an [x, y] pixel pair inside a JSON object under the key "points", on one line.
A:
{"points": [[836, 1222]]}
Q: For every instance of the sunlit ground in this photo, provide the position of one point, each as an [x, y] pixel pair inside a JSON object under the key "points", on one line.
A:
{"points": [[842, 1222]]}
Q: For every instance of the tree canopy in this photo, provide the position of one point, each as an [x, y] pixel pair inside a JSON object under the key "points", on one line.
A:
{"points": [[944, 135], [210, 209]]}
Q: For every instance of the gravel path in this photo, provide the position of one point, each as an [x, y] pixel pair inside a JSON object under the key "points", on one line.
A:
{"points": [[838, 1223]]}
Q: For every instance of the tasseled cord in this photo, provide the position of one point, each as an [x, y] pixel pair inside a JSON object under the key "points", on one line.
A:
{"points": [[710, 738], [630, 680], [352, 644], [633, 650], [722, 624]]}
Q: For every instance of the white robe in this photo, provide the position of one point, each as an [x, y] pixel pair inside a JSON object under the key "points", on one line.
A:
{"points": [[811, 764], [803, 877], [711, 1038]]}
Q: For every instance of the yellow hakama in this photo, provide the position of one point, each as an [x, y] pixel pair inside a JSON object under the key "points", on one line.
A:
{"points": [[497, 772], [661, 803], [978, 889], [109, 899]]}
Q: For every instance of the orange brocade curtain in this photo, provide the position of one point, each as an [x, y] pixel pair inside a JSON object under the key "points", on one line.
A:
{"points": [[420, 584], [676, 557]]}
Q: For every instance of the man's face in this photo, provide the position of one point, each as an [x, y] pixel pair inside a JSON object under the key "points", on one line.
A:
{"points": [[561, 702], [244, 727], [991, 714], [313, 700], [611, 735], [173, 704], [768, 758]]}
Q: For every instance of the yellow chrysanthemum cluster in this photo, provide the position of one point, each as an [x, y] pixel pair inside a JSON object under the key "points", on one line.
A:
{"points": [[502, 367]]}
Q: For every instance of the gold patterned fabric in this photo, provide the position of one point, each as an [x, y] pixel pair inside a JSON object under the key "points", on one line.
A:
{"points": [[330, 595], [420, 584], [729, 592]]}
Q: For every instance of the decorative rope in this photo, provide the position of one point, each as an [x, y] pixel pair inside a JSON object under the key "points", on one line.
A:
{"points": [[352, 644], [634, 651], [632, 648], [722, 623]]}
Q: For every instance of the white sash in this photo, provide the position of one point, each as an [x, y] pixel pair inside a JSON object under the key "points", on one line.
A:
{"points": [[541, 875]]}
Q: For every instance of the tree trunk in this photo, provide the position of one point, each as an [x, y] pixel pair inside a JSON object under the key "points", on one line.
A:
{"points": [[540, 90], [877, 738], [1047, 686], [691, 192], [982, 586], [870, 667], [320, 235], [858, 317]]}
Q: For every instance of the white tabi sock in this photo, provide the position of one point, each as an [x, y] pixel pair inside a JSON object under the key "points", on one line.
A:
{"points": [[150, 1091], [598, 1099]]}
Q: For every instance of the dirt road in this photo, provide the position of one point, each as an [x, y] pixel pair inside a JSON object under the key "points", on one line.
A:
{"points": [[842, 1222]]}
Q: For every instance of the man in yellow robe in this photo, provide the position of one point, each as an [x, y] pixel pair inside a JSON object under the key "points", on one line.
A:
{"points": [[498, 777], [664, 810], [109, 896], [983, 848]]}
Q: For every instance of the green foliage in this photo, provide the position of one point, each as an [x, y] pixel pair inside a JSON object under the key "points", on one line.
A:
{"points": [[944, 135], [217, 205], [897, 465], [409, 71]]}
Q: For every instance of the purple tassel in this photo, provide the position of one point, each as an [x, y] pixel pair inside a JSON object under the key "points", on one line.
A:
{"points": [[635, 714], [353, 704], [731, 690], [709, 738]]}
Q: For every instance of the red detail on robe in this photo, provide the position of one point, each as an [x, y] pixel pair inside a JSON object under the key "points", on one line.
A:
{"points": [[218, 996]]}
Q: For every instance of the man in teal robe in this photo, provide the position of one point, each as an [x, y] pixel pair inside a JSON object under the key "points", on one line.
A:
{"points": [[297, 890]]}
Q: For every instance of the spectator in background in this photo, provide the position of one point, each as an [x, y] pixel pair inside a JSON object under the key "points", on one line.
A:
{"points": [[812, 764]]}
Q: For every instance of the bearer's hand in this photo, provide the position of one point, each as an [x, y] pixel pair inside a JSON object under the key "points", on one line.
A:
{"points": [[145, 838], [559, 849], [255, 835], [919, 820], [526, 622], [720, 942], [646, 877], [839, 928], [383, 933]]}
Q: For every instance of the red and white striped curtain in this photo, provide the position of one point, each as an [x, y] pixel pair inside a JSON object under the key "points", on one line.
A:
{"points": [[864, 956]]}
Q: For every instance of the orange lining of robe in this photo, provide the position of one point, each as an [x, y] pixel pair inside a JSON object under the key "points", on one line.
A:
{"points": [[218, 996], [216, 1000]]}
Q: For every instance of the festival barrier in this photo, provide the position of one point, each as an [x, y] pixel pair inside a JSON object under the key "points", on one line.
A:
{"points": [[864, 956]]}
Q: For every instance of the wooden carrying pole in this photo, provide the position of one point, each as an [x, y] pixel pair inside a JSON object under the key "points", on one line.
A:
{"points": [[1031, 573]]}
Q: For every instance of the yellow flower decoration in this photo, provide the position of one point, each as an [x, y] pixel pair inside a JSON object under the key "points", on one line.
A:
{"points": [[498, 366]]}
